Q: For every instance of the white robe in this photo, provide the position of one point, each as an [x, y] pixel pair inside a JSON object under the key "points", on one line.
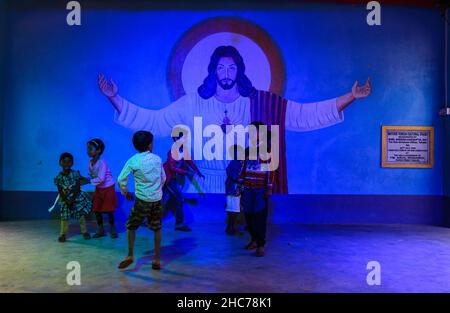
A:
{"points": [[299, 117]]}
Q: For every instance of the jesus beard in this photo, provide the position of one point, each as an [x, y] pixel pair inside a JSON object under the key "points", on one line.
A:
{"points": [[226, 83]]}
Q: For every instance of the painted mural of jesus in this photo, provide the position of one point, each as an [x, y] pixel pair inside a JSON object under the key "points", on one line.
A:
{"points": [[227, 93]]}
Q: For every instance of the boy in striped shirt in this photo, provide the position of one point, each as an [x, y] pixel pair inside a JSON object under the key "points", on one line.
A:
{"points": [[256, 180]]}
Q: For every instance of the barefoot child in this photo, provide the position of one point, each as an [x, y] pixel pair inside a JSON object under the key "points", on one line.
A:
{"points": [[105, 198], [149, 178], [74, 202]]}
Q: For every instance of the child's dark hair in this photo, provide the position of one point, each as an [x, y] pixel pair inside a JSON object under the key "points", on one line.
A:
{"points": [[98, 144], [65, 155], [142, 139]]}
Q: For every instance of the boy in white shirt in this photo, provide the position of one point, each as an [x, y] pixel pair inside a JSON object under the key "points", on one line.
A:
{"points": [[149, 178]]}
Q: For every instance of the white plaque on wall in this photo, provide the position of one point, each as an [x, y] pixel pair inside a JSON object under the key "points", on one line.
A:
{"points": [[407, 146]]}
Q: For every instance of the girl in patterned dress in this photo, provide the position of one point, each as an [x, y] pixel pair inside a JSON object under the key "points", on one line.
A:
{"points": [[74, 202]]}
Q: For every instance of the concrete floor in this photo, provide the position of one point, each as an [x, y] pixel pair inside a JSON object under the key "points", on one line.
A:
{"points": [[325, 258]]}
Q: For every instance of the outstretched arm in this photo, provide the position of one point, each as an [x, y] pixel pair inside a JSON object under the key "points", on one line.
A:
{"points": [[159, 122], [316, 115]]}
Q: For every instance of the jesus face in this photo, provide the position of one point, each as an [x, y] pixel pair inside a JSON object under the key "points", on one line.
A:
{"points": [[226, 73]]}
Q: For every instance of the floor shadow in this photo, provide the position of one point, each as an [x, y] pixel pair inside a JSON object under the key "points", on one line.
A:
{"points": [[178, 248]]}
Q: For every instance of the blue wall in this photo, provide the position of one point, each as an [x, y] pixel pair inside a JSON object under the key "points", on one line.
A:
{"points": [[446, 150], [3, 43], [53, 103], [446, 167], [447, 158]]}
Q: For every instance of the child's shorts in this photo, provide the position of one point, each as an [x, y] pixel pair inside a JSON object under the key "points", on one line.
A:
{"points": [[141, 210], [233, 204], [105, 200]]}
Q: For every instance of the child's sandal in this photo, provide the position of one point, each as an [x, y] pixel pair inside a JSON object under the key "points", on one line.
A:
{"points": [[125, 263]]}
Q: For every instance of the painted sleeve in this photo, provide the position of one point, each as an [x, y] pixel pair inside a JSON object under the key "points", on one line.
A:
{"points": [[310, 116], [159, 122]]}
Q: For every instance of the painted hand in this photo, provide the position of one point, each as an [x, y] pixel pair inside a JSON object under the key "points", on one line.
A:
{"points": [[108, 88], [361, 91]]}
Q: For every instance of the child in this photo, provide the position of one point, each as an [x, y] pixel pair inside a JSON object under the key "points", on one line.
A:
{"points": [[149, 178], [233, 206], [256, 181], [174, 170], [105, 198], [74, 202]]}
